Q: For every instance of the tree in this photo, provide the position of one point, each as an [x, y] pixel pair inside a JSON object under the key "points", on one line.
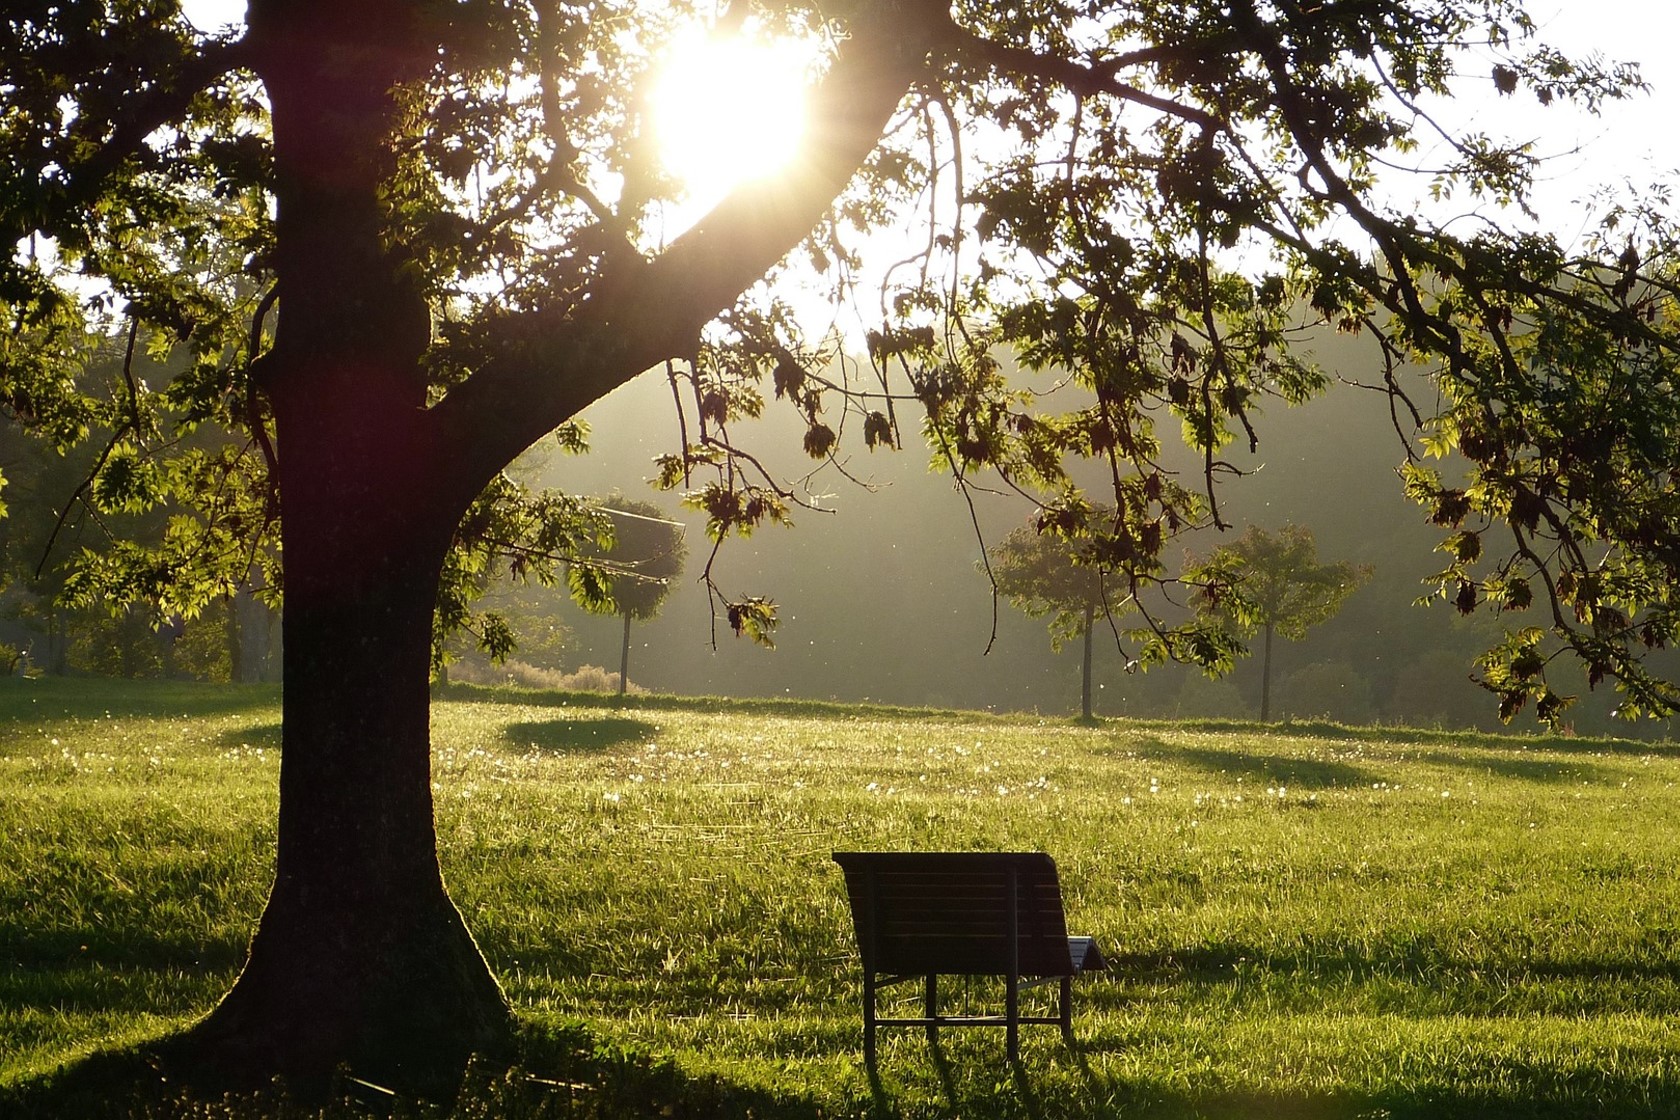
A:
{"points": [[64, 629], [1277, 586], [394, 243], [1039, 574], [647, 553]]}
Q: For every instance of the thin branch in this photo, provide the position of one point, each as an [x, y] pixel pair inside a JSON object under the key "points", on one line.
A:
{"points": [[128, 378], [165, 100], [979, 535], [682, 416], [78, 497], [253, 407], [1077, 78]]}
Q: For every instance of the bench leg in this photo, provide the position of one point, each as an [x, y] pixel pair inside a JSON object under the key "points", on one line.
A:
{"points": [[1067, 1010], [869, 1020], [931, 1007], [1012, 1021]]}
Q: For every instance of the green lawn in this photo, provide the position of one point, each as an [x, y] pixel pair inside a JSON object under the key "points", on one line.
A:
{"points": [[1305, 921]]}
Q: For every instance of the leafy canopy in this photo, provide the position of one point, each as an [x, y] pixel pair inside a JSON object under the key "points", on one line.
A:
{"points": [[1141, 201], [645, 556], [1042, 577], [1276, 583], [1043, 569]]}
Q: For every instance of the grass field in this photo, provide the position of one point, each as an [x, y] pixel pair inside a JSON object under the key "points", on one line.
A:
{"points": [[1306, 920]]}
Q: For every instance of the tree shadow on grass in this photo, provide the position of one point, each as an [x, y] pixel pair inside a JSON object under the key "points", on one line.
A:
{"points": [[1461, 738], [579, 736], [564, 1072], [567, 1071], [1054, 1084], [1331, 961], [1528, 1092], [1549, 771], [1307, 772], [107, 974], [38, 698], [105, 990], [1478, 1087], [705, 705], [563, 736], [264, 736], [40, 955]]}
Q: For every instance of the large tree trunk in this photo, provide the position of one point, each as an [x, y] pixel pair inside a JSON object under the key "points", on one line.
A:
{"points": [[360, 957]]}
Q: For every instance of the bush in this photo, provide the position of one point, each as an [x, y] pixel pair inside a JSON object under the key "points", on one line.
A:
{"points": [[1326, 689], [585, 678], [1201, 697]]}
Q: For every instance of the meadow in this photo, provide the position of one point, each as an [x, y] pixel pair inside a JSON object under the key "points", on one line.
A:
{"points": [[1304, 920]]}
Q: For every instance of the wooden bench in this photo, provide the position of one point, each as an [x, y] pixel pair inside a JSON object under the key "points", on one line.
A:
{"points": [[932, 914]]}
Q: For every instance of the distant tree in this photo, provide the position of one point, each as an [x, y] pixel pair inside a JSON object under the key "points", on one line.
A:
{"points": [[1041, 573], [1277, 586], [645, 558]]}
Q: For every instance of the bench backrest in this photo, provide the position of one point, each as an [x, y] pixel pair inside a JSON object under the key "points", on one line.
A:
{"points": [[952, 912]]}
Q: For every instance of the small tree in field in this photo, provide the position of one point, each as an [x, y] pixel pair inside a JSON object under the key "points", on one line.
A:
{"points": [[1040, 573], [647, 555], [1280, 588]]}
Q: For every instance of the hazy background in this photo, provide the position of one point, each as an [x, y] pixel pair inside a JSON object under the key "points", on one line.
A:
{"points": [[882, 600]]}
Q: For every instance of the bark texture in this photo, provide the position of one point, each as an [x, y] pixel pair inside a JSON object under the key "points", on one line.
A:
{"points": [[360, 958]]}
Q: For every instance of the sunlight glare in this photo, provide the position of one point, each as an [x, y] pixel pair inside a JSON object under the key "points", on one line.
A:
{"points": [[728, 111], [214, 16]]}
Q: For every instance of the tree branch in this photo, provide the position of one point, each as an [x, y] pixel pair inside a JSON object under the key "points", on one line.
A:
{"points": [[1078, 78], [161, 103], [642, 312]]}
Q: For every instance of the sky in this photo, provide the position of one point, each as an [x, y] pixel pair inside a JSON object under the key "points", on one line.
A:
{"points": [[1642, 31], [1636, 139]]}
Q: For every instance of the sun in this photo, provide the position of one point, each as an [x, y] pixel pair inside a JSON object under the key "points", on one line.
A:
{"points": [[729, 110]]}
